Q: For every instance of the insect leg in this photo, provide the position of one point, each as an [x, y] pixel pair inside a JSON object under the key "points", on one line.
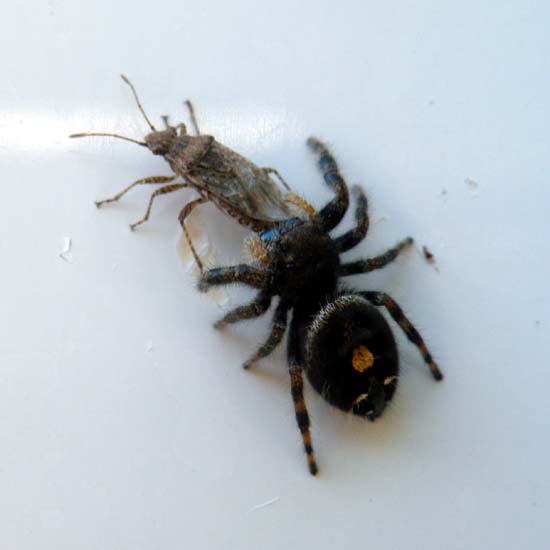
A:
{"points": [[161, 191], [357, 234], [273, 171], [278, 328], [193, 117], [382, 299], [333, 212], [257, 307], [152, 179], [297, 391], [242, 273], [186, 210], [370, 264]]}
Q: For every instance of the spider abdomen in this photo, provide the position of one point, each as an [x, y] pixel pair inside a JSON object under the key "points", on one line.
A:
{"points": [[351, 357]]}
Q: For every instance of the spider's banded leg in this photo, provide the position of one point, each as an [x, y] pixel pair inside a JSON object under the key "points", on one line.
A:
{"points": [[152, 179], [161, 191], [370, 264], [297, 391], [382, 299], [278, 327], [185, 211], [357, 234], [333, 212], [242, 273], [257, 307], [275, 172]]}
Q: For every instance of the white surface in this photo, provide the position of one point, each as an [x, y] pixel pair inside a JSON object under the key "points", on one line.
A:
{"points": [[126, 422]]}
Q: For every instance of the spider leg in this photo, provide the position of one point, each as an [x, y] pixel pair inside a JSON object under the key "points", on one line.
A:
{"points": [[357, 234], [257, 307], [333, 212], [241, 273], [186, 210], [297, 391], [278, 328], [382, 299], [370, 264], [152, 179], [161, 191]]}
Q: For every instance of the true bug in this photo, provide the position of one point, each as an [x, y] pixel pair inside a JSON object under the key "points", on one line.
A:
{"points": [[337, 336], [218, 174]]}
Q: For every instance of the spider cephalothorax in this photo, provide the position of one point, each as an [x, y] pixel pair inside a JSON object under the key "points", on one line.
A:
{"points": [[337, 337]]}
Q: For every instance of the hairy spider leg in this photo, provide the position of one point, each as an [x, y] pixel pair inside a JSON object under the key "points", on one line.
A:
{"points": [[162, 191], [185, 211], [333, 212], [241, 273], [382, 299], [297, 391], [378, 262], [354, 236], [150, 180], [257, 307], [278, 328]]}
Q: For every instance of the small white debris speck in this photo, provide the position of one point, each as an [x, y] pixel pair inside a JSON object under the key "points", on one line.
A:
{"points": [[66, 254], [149, 346], [264, 504]]}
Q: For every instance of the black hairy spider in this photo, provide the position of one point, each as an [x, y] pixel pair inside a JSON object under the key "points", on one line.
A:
{"points": [[336, 336]]}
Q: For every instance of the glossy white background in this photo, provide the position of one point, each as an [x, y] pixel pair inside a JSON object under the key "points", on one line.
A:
{"points": [[126, 422]]}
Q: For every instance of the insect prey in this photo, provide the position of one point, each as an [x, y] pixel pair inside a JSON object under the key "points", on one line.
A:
{"points": [[237, 186]]}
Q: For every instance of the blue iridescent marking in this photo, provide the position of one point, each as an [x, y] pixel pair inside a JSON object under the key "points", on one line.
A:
{"points": [[283, 228]]}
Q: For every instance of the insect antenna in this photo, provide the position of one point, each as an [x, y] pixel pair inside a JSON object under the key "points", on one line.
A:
{"points": [[88, 134], [138, 102]]}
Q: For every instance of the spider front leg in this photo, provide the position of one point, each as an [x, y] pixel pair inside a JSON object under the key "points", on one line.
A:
{"points": [[382, 299], [297, 391], [257, 307], [278, 328], [357, 234], [332, 213], [378, 262], [242, 273]]}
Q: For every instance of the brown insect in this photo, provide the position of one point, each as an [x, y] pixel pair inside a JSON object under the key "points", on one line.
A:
{"points": [[237, 186]]}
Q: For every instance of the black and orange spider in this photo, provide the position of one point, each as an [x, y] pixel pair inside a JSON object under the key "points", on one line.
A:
{"points": [[337, 336]]}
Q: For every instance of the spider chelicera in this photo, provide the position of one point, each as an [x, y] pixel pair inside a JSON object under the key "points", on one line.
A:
{"points": [[337, 336]]}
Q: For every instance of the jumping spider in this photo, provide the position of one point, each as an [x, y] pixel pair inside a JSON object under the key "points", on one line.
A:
{"points": [[336, 336]]}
